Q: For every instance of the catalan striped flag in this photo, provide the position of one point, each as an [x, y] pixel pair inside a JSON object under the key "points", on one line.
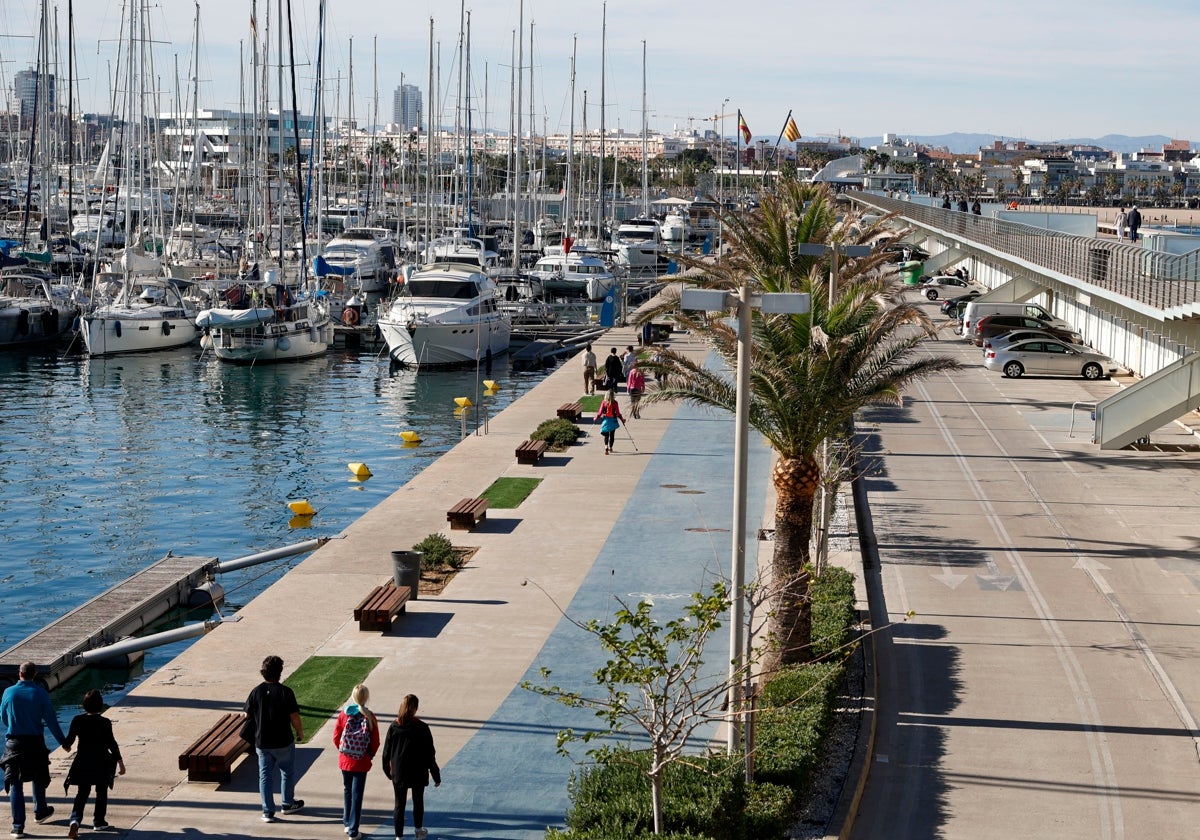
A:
{"points": [[790, 131]]}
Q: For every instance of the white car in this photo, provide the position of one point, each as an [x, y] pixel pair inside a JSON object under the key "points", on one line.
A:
{"points": [[1046, 356], [945, 285]]}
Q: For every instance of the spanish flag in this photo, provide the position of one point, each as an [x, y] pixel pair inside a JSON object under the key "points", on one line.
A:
{"points": [[745, 129], [790, 131]]}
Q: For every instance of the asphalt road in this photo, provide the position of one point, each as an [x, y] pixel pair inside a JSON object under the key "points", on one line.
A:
{"points": [[1046, 685]]}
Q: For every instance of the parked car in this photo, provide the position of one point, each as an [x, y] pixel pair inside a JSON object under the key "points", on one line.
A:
{"points": [[993, 325], [955, 305], [898, 250], [944, 285], [1005, 339], [1046, 357]]}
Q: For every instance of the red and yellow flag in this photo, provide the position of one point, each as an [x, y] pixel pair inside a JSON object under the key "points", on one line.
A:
{"points": [[790, 131], [744, 129]]}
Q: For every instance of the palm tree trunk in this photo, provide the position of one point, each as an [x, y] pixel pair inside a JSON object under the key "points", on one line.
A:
{"points": [[790, 626]]}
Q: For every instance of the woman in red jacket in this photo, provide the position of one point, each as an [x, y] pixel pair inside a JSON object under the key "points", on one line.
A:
{"points": [[356, 735]]}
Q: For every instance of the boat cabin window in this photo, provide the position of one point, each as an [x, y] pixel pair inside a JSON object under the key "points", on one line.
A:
{"points": [[453, 289]]}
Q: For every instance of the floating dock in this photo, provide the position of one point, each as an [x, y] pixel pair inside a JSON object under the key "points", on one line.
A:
{"points": [[121, 611]]}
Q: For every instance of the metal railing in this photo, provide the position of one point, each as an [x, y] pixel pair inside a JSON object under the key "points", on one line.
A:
{"points": [[1161, 281]]}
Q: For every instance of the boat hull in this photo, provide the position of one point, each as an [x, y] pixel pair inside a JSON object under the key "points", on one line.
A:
{"points": [[445, 344], [37, 323], [112, 332]]}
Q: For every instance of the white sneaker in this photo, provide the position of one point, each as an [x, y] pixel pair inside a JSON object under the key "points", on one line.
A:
{"points": [[421, 833]]}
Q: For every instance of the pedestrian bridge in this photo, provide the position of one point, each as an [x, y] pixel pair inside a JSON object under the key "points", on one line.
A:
{"points": [[1140, 307]]}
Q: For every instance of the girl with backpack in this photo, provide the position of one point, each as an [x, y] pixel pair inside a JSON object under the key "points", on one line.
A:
{"points": [[409, 759], [609, 415], [356, 735]]}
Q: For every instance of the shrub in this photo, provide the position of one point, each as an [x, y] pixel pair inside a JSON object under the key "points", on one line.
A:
{"points": [[833, 612], [437, 551], [702, 798], [558, 432], [769, 810]]}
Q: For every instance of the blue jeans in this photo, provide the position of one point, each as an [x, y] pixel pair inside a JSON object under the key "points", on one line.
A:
{"points": [[268, 759], [353, 785], [16, 798]]}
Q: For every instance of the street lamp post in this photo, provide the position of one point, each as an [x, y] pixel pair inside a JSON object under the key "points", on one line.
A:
{"points": [[719, 300]]}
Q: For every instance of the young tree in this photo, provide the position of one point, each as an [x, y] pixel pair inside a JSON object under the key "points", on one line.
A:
{"points": [[654, 684]]}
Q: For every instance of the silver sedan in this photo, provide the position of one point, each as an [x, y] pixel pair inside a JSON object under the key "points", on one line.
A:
{"points": [[945, 286], [1047, 357]]}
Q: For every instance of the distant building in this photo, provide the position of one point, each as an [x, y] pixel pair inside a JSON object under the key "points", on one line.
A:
{"points": [[406, 108], [25, 91]]}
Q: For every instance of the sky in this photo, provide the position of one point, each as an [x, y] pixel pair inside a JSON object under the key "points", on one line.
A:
{"points": [[1014, 69]]}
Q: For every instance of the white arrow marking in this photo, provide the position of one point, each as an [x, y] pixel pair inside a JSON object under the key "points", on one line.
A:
{"points": [[948, 576], [994, 580]]}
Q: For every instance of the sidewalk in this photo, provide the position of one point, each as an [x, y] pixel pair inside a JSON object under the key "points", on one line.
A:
{"points": [[646, 522]]}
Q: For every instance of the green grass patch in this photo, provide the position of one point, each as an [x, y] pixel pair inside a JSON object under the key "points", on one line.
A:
{"points": [[510, 492], [591, 404], [323, 683]]}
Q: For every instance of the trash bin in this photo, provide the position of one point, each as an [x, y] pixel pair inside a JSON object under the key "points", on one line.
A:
{"points": [[406, 571], [911, 272]]}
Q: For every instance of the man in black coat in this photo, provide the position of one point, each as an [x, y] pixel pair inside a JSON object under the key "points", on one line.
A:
{"points": [[613, 369], [1133, 221]]}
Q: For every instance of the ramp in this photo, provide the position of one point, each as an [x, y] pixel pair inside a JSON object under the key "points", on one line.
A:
{"points": [[1158, 399], [1017, 290], [124, 609], [935, 264]]}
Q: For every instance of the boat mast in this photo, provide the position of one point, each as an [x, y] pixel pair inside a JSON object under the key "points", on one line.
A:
{"points": [[516, 181], [429, 118], [603, 57], [645, 139], [568, 184]]}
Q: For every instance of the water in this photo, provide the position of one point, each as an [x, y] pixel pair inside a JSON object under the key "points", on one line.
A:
{"points": [[108, 464]]}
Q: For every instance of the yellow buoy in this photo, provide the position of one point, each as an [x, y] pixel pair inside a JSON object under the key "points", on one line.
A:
{"points": [[490, 384], [360, 470], [410, 437], [463, 402], [300, 522], [301, 507]]}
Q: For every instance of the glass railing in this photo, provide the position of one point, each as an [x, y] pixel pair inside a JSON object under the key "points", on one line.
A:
{"points": [[1158, 280]]}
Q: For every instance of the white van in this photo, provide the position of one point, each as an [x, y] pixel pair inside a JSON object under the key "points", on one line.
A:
{"points": [[977, 309]]}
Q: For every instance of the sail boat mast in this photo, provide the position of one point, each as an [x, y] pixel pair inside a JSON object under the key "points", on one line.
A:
{"points": [[517, 232]]}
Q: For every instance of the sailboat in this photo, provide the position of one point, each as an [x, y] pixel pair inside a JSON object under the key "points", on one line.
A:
{"points": [[30, 311]]}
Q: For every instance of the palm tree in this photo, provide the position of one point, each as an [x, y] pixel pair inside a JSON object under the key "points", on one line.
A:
{"points": [[809, 374]]}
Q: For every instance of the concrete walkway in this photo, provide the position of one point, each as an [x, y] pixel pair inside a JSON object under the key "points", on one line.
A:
{"points": [[652, 520]]}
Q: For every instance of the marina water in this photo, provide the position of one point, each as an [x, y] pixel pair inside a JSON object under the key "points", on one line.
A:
{"points": [[107, 464]]}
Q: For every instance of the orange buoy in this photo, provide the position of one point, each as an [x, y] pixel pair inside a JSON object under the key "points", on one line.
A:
{"points": [[350, 316]]}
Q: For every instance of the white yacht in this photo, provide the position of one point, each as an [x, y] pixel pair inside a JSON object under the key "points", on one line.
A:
{"points": [[462, 250], [445, 314], [676, 227], [365, 256], [638, 244], [577, 274], [148, 313], [272, 323]]}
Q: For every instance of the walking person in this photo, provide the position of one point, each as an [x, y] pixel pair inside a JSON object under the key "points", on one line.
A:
{"points": [[1120, 223], [976, 208], [97, 762], [635, 384], [356, 735], [614, 371], [1134, 220], [589, 370], [25, 712], [409, 759], [609, 415], [627, 362], [272, 714]]}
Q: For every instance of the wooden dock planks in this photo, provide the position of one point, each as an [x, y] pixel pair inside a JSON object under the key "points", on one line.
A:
{"points": [[118, 612]]}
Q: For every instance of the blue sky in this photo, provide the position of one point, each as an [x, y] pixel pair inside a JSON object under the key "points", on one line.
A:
{"points": [[1015, 68]]}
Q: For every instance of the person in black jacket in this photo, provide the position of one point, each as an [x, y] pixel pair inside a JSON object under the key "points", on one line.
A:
{"points": [[409, 759], [272, 714], [97, 762], [1133, 221], [614, 371]]}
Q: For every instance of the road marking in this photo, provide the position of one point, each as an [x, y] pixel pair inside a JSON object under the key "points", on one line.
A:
{"points": [[948, 576], [996, 582]]}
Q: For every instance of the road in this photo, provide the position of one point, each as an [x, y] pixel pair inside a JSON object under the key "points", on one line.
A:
{"points": [[1046, 683]]}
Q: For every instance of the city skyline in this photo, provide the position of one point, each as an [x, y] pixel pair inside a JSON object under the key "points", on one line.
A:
{"points": [[931, 67]]}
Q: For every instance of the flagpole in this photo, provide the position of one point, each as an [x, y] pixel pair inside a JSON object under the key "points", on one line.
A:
{"points": [[786, 120], [738, 182]]}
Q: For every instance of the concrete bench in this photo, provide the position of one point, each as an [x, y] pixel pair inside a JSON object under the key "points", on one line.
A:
{"points": [[381, 606], [571, 411], [467, 514], [531, 451], [211, 757]]}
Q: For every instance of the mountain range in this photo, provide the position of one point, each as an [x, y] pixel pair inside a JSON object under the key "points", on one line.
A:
{"points": [[965, 143]]}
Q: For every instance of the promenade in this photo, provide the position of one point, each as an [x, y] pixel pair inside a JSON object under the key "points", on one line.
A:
{"points": [[647, 522]]}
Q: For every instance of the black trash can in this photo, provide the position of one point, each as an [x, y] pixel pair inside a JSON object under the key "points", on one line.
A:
{"points": [[406, 571]]}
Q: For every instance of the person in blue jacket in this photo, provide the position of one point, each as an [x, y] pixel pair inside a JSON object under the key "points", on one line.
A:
{"points": [[25, 713]]}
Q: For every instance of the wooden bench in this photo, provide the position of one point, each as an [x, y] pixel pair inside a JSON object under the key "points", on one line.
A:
{"points": [[381, 606], [570, 411], [212, 756], [531, 451], [467, 514]]}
